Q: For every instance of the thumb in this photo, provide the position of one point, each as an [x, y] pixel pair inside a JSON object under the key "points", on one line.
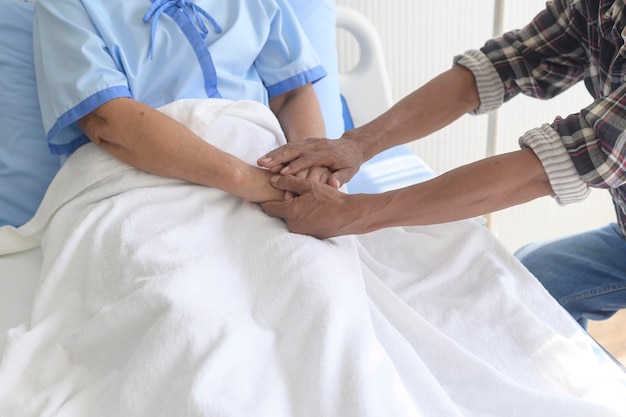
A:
{"points": [[291, 183], [274, 208], [338, 178]]}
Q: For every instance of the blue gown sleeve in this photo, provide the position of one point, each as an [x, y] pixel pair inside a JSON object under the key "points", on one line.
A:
{"points": [[75, 71], [289, 49]]}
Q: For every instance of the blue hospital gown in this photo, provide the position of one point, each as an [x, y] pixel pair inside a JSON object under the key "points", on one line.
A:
{"points": [[90, 52]]}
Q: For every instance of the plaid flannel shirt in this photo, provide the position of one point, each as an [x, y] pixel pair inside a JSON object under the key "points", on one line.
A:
{"points": [[570, 41]]}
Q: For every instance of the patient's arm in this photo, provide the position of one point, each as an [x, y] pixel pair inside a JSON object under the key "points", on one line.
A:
{"points": [[300, 117], [299, 114], [153, 142]]}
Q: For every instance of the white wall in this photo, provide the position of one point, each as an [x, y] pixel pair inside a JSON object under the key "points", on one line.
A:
{"points": [[420, 39]]}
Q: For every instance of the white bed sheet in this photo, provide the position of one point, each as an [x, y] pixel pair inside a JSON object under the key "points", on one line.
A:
{"points": [[428, 321], [19, 274]]}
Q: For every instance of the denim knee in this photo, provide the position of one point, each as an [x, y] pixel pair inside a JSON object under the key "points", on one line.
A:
{"points": [[585, 273]]}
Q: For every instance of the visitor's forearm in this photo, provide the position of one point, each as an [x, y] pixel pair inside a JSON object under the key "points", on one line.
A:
{"points": [[431, 107], [475, 189]]}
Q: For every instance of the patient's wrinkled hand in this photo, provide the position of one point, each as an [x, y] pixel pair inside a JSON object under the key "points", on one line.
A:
{"points": [[261, 190], [342, 157], [315, 174]]}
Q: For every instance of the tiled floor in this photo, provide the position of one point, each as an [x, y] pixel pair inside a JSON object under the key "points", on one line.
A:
{"points": [[611, 334]]}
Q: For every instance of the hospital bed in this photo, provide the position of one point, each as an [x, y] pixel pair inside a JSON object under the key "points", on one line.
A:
{"points": [[425, 321]]}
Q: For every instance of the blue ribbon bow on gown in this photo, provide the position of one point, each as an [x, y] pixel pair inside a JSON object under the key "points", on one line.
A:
{"points": [[193, 11]]}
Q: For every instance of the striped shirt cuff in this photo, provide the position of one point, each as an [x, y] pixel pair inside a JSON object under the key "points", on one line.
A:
{"points": [[566, 183], [490, 88]]}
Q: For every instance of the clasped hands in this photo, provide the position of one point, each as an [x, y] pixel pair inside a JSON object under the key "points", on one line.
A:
{"points": [[312, 202]]}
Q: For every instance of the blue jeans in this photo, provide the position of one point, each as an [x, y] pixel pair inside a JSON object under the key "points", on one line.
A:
{"points": [[585, 273]]}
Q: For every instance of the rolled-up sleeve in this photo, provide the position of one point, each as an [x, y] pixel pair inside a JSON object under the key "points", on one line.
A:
{"points": [[567, 185], [568, 41], [541, 60], [545, 57], [596, 142], [490, 88]]}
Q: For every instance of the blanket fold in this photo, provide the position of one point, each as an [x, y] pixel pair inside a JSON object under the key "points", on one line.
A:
{"points": [[163, 298]]}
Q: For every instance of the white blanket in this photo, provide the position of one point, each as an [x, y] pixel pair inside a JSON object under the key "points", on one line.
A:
{"points": [[162, 298]]}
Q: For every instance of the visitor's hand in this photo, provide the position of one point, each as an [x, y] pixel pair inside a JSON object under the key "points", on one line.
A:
{"points": [[316, 209], [342, 157]]}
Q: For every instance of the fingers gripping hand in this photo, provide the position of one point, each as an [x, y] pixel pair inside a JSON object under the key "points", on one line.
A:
{"points": [[324, 175], [311, 210], [317, 174], [341, 156]]}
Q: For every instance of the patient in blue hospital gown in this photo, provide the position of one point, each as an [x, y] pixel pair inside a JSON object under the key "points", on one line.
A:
{"points": [[175, 295], [104, 66]]}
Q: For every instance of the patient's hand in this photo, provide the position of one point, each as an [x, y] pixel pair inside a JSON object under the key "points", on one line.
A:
{"points": [[260, 190], [256, 186], [316, 174], [342, 157]]}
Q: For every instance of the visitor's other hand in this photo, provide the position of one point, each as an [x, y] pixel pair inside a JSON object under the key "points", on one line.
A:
{"points": [[316, 209]]}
